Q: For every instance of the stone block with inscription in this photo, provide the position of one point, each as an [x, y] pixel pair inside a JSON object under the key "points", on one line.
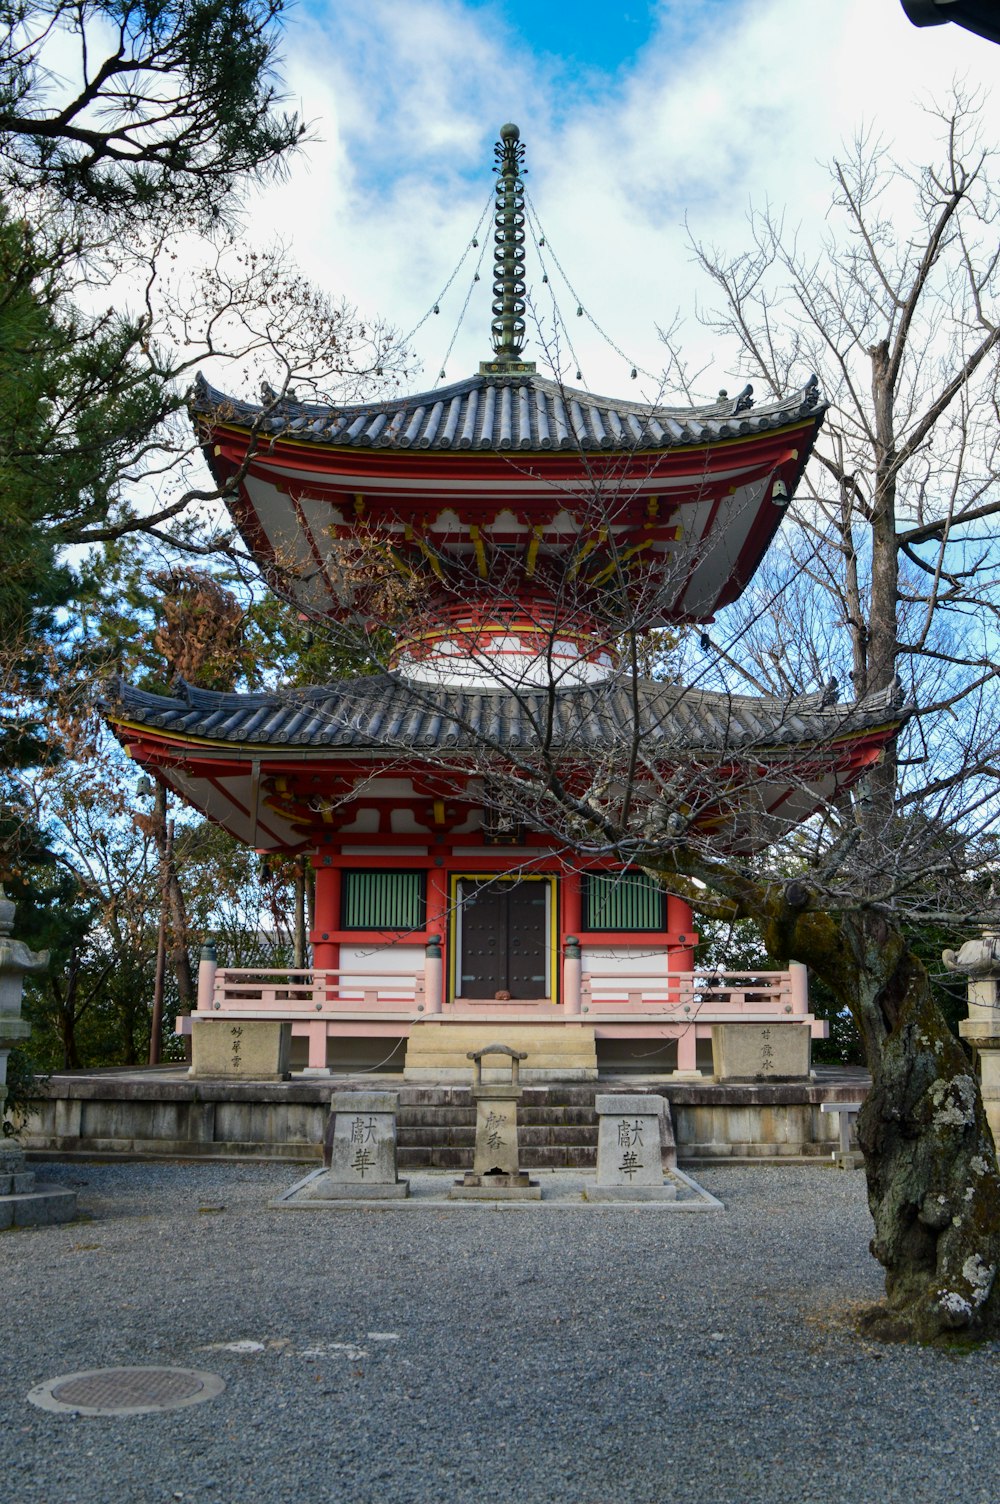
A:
{"points": [[496, 1174], [761, 1052], [496, 1150], [240, 1049], [629, 1149], [360, 1150]]}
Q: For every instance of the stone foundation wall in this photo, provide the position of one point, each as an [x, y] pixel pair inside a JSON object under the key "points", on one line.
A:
{"points": [[108, 1114]]}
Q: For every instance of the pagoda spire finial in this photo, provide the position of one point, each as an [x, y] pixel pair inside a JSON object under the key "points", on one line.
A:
{"points": [[508, 256]]}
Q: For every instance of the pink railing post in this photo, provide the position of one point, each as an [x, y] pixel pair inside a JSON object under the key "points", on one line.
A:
{"points": [[572, 975], [433, 975], [799, 978], [316, 1035], [207, 967], [687, 1052]]}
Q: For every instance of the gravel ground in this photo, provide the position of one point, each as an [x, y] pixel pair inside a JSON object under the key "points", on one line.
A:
{"points": [[594, 1357]]}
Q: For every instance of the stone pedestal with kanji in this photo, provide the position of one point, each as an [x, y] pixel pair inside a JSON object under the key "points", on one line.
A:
{"points": [[496, 1174], [360, 1150], [629, 1150], [761, 1052], [240, 1049]]}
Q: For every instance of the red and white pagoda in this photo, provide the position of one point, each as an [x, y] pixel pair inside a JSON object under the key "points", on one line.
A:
{"points": [[506, 533]]}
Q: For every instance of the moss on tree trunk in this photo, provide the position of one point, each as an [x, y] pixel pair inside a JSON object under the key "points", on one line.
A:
{"points": [[930, 1162]]}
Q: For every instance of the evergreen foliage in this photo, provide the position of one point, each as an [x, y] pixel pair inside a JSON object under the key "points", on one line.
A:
{"points": [[174, 104], [77, 397]]}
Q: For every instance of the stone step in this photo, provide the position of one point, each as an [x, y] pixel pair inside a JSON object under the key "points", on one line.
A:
{"points": [[558, 1096], [41, 1206], [412, 1118], [535, 1117], [461, 1136], [557, 1128], [535, 1157]]}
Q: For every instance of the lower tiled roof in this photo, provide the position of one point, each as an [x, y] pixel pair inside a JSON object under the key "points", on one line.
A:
{"points": [[385, 711]]}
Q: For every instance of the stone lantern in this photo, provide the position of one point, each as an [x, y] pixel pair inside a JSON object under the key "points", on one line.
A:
{"points": [[979, 960], [23, 1203]]}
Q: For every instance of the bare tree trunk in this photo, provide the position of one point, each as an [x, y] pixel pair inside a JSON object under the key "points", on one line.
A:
{"points": [[66, 1004], [882, 618], [930, 1162], [180, 956], [933, 1182], [180, 959], [855, 614], [156, 1021], [299, 943]]}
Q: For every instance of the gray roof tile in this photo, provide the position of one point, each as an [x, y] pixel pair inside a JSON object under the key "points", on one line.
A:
{"points": [[509, 412], [385, 711]]}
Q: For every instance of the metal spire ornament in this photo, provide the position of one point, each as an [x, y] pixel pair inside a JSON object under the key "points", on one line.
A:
{"points": [[508, 258]]}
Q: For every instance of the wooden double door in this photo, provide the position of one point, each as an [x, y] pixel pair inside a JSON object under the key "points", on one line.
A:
{"points": [[503, 937]]}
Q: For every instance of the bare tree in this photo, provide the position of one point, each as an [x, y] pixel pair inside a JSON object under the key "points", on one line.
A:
{"points": [[886, 576], [896, 310]]}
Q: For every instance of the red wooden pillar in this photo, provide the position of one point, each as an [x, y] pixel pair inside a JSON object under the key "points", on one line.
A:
{"points": [[326, 917], [572, 912], [569, 947], [680, 924], [437, 922]]}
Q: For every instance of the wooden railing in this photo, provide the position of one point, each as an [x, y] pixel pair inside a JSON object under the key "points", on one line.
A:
{"points": [[310, 990], [681, 997], [719, 994]]}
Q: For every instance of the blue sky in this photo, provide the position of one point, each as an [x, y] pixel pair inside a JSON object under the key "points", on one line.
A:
{"points": [[644, 124], [586, 35]]}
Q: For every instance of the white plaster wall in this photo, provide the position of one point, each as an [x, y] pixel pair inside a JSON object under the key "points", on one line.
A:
{"points": [[365, 822], [632, 967], [391, 965]]}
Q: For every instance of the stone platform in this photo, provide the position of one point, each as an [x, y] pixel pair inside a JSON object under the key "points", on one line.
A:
{"points": [[163, 1112], [437, 1052], [24, 1200], [556, 1190]]}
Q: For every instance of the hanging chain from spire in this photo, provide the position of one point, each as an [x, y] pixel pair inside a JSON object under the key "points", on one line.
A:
{"points": [[540, 239]]}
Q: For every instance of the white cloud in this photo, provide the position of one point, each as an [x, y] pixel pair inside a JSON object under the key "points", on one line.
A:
{"points": [[407, 99]]}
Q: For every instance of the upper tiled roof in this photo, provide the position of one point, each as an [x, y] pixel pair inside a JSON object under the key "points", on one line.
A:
{"points": [[510, 412], [385, 711]]}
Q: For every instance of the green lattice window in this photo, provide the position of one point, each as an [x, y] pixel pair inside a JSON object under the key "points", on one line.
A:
{"points": [[623, 901], [383, 900]]}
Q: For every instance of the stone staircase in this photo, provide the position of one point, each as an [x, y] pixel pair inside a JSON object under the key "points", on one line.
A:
{"points": [[557, 1128]]}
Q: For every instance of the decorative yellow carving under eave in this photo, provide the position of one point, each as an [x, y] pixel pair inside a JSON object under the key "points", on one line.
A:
{"points": [[536, 538], [477, 543], [622, 559]]}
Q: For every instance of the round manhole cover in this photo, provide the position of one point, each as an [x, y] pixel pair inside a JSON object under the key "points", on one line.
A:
{"points": [[126, 1391]]}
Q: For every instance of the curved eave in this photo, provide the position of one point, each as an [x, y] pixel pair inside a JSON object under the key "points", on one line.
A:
{"points": [[526, 413], [350, 459], [705, 511], [243, 752], [780, 787], [766, 785]]}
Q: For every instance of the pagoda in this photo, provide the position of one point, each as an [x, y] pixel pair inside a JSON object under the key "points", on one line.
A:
{"points": [[505, 539]]}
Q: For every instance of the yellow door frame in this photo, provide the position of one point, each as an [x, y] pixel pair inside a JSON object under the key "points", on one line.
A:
{"points": [[455, 927]]}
